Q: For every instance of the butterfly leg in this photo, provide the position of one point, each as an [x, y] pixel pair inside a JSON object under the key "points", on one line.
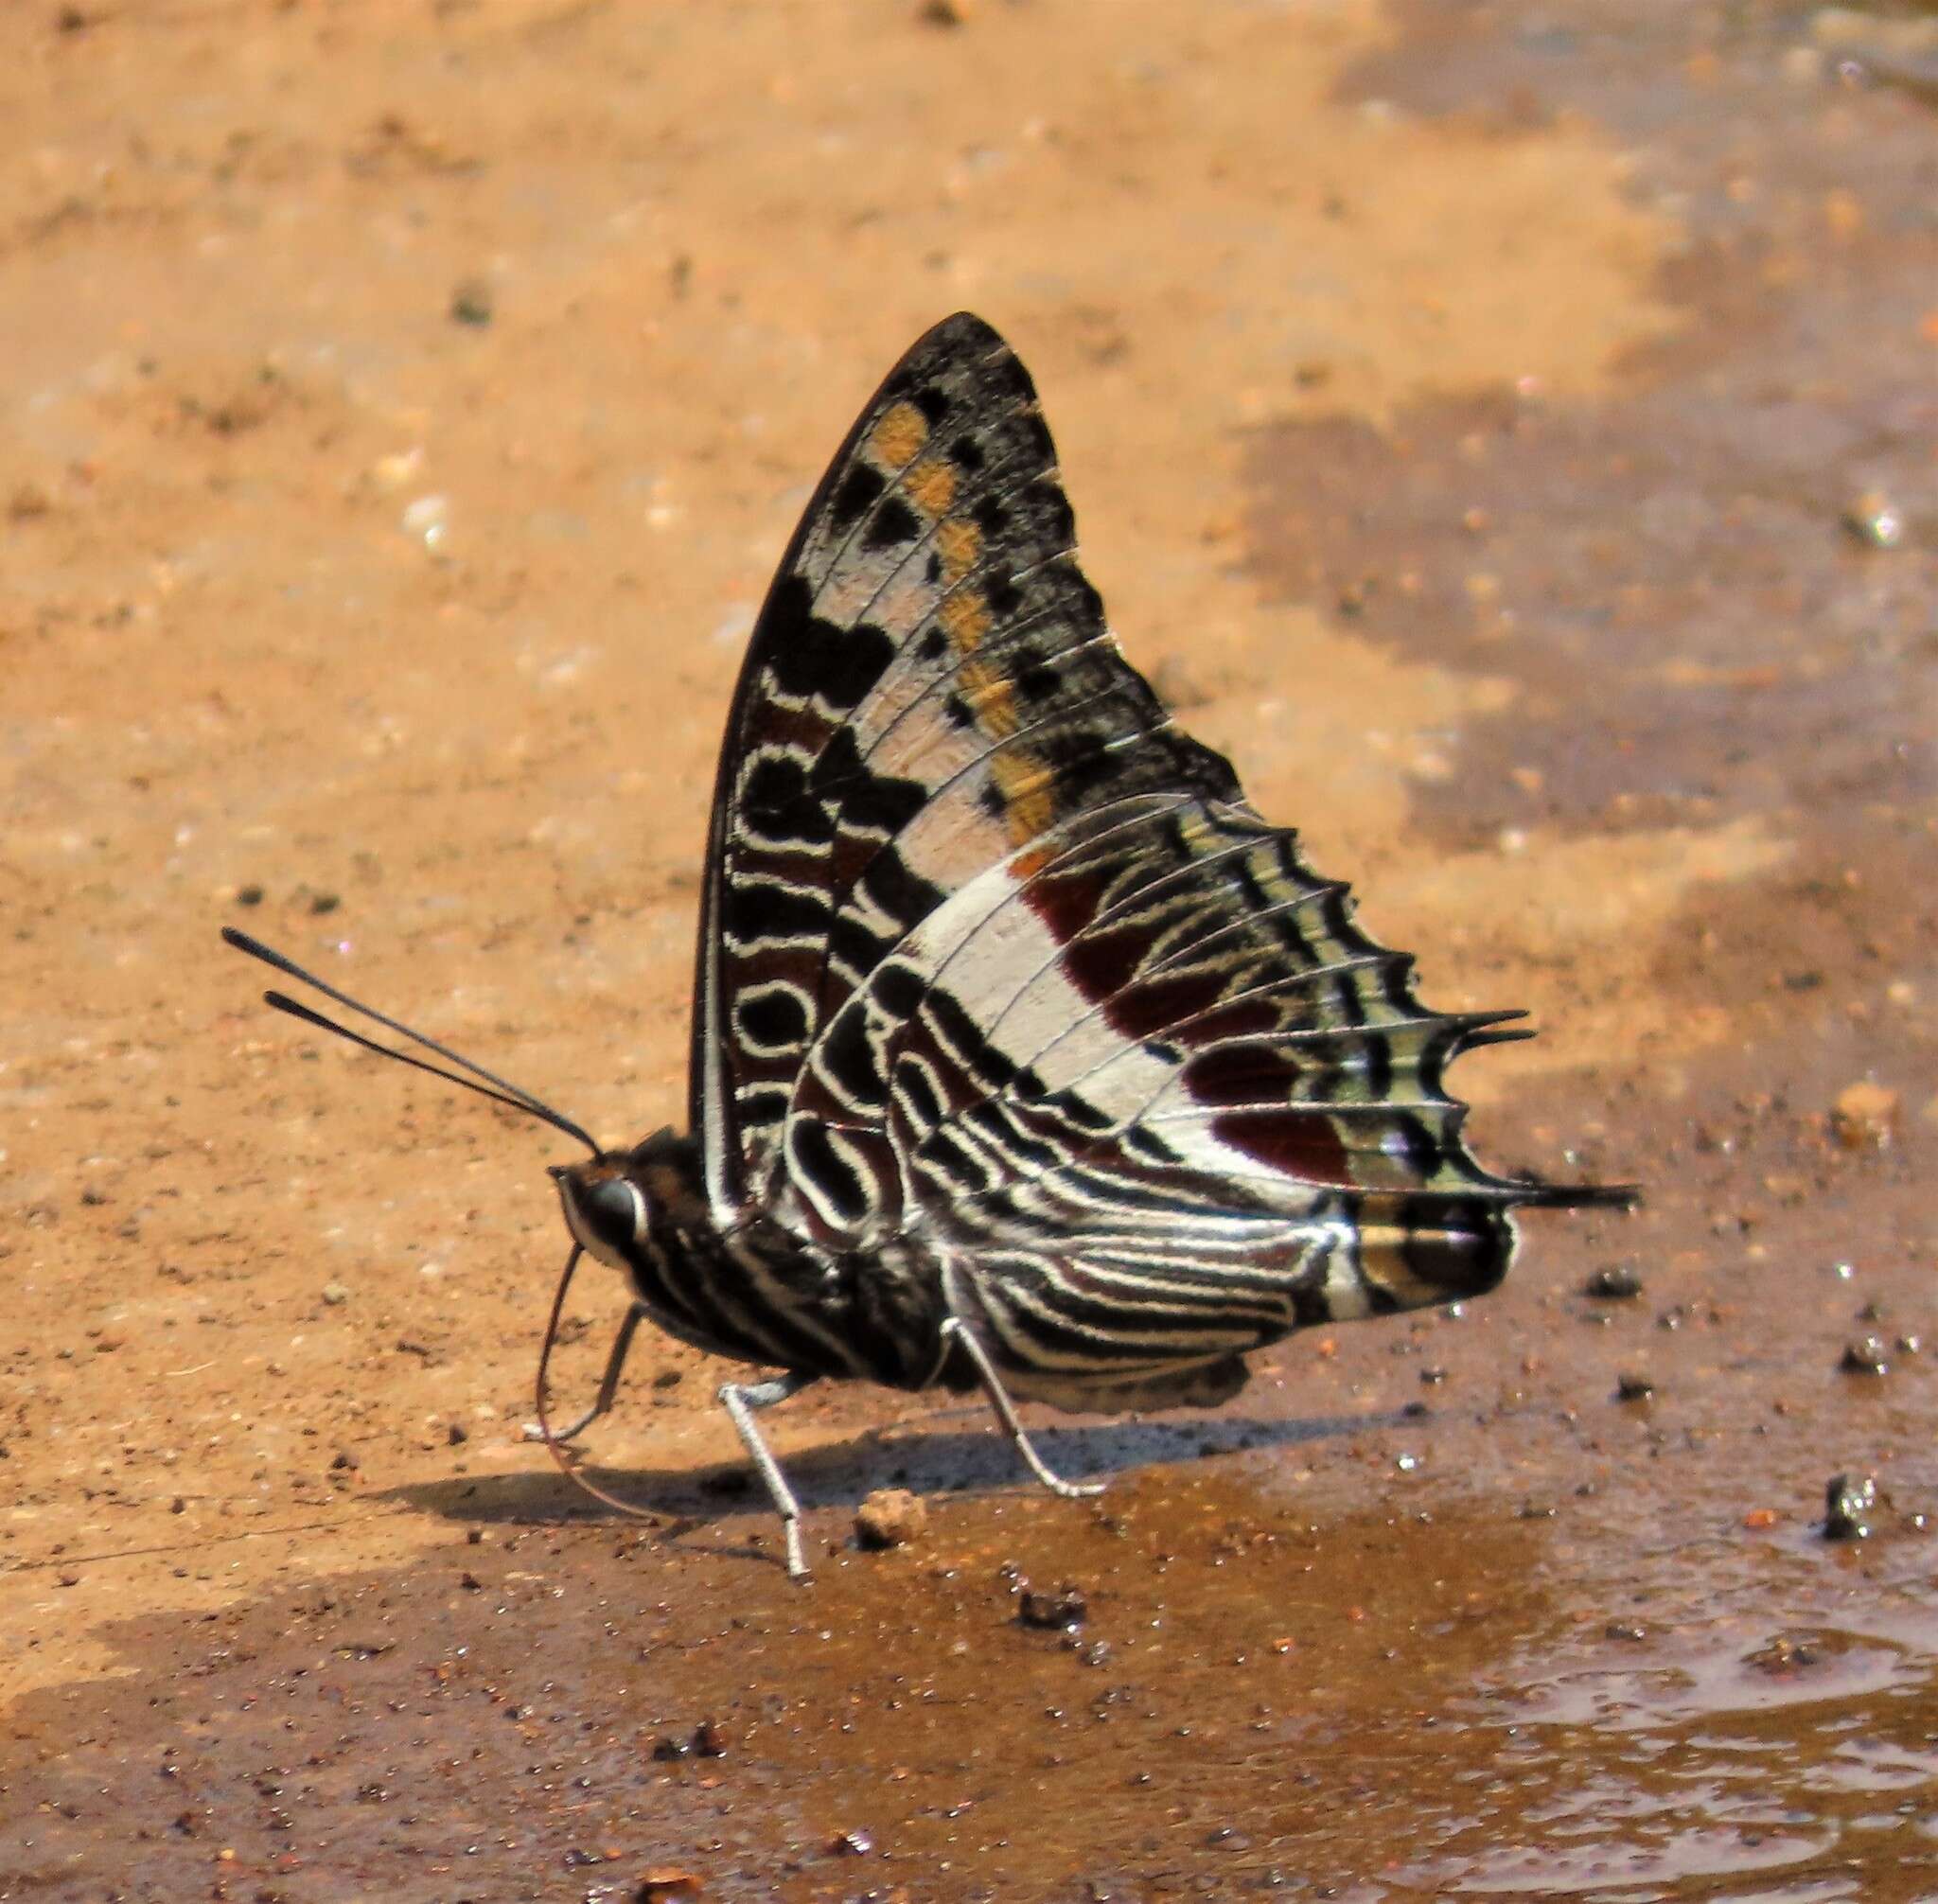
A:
{"points": [[1006, 1413], [741, 1401], [609, 1383]]}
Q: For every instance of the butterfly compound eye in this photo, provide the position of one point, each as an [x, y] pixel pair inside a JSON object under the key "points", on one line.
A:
{"points": [[609, 1215]]}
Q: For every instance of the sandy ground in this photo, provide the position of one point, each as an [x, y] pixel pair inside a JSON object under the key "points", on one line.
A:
{"points": [[405, 407]]}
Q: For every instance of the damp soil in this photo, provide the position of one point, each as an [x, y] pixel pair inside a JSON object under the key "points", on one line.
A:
{"points": [[1509, 437]]}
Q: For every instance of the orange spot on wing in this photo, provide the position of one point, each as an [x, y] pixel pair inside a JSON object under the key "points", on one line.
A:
{"points": [[959, 543], [897, 439], [931, 486], [1025, 782], [988, 694], [965, 620]]}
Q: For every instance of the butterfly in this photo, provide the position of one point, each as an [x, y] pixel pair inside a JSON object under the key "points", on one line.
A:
{"points": [[1027, 1056]]}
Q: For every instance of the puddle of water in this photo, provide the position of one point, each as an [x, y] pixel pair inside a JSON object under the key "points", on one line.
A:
{"points": [[1714, 1767], [1258, 1698]]}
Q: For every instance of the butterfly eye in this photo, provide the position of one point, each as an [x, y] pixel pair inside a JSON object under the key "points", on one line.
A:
{"points": [[609, 1217]]}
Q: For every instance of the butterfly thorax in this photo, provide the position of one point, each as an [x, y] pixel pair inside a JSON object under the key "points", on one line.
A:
{"points": [[749, 1289]]}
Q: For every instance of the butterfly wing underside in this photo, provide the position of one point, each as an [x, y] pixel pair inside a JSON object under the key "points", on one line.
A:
{"points": [[997, 963]]}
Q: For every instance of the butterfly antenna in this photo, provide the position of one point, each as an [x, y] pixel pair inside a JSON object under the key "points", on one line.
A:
{"points": [[499, 1089]]}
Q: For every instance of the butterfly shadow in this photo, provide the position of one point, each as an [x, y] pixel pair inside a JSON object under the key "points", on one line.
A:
{"points": [[930, 1459]]}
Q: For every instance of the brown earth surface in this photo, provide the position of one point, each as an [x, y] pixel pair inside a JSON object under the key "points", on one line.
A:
{"points": [[1509, 436]]}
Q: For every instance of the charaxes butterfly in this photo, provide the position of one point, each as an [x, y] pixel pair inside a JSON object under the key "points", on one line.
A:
{"points": [[1026, 1055]]}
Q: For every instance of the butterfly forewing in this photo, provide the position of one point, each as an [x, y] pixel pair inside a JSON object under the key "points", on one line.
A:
{"points": [[879, 593], [999, 963]]}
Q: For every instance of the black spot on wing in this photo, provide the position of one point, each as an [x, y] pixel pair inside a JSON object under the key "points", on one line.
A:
{"points": [[898, 988], [1035, 680], [776, 1018], [861, 660], [877, 803], [761, 1103], [809, 656], [894, 523], [849, 1062], [1003, 595], [776, 805], [762, 909], [855, 494]]}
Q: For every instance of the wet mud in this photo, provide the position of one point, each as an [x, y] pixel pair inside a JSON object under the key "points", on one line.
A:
{"points": [[1511, 439]]}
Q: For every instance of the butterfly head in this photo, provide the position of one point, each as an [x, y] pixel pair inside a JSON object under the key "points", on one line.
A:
{"points": [[614, 1202]]}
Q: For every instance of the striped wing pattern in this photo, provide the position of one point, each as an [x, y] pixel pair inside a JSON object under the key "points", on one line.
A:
{"points": [[1000, 972]]}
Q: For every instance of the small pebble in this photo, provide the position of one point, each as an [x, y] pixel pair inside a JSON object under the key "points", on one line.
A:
{"points": [[1849, 1503], [334, 1294], [1612, 1282], [1866, 1356], [1784, 1656], [470, 302], [1874, 520], [708, 1739], [1865, 1116], [851, 1844], [889, 1516], [1066, 1607], [1633, 1386], [663, 1884]]}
